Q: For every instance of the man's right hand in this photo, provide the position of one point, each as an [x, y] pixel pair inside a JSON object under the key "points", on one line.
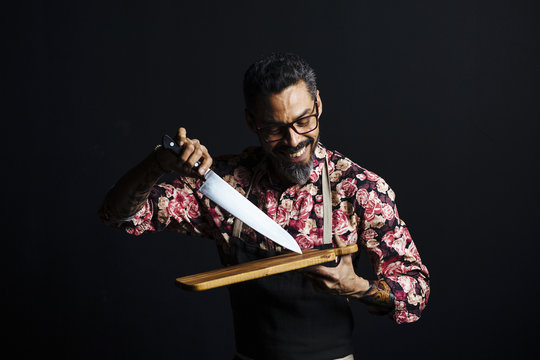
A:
{"points": [[183, 163]]}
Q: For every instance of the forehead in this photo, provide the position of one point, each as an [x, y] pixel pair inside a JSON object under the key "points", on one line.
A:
{"points": [[287, 105]]}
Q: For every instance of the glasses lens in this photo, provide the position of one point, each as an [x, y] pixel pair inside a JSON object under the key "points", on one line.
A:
{"points": [[306, 124], [301, 126], [271, 133]]}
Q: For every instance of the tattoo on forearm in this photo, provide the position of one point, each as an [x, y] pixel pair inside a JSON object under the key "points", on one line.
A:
{"points": [[379, 294], [136, 198], [131, 192]]}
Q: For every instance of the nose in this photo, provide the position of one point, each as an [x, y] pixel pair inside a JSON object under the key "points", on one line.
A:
{"points": [[292, 137]]}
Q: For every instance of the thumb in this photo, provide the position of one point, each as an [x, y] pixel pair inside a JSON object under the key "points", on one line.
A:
{"points": [[345, 259], [339, 242]]}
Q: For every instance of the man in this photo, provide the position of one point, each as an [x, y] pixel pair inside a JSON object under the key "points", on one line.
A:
{"points": [[298, 314]]}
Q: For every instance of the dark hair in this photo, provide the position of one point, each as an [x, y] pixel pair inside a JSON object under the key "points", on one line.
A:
{"points": [[273, 73]]}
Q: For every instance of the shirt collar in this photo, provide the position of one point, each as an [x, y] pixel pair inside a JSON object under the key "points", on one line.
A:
{"points": [[319, 155]]}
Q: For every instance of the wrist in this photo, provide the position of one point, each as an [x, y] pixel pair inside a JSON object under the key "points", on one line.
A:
{"points": [[361, 287], [155, 165], [379, 295]]}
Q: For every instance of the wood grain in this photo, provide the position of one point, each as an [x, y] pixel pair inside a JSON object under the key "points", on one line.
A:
{"points": [[260, 268]]}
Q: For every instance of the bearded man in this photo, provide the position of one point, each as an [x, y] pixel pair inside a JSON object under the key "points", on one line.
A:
{"points": [[297, 314]]}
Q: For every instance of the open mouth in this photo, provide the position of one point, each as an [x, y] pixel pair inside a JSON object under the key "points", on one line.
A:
{"points": [[299, 153]]}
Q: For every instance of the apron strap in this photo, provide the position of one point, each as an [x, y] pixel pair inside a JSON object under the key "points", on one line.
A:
{"points": [[327, 206], [237, 227]]}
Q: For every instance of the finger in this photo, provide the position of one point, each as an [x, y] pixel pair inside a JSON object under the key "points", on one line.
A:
{"points": [[195, 156], [339, 242], [321, 272], [325, 286], [207, 161], [345, 260], [312, 272], [181, 136], [195, 152], [307, 274], [189, 148]]}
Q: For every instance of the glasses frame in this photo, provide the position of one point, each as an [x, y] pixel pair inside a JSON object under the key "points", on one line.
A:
{"points": [[291, 125]]}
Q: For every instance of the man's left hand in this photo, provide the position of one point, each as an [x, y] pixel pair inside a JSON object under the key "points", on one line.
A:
{"points": [[339, 280]]}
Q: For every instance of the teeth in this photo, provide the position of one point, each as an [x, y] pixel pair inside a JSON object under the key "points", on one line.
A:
{"points": [[298, 153]]}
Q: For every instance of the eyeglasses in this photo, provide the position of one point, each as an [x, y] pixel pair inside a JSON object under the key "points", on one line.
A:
{"points": [[301, 126]]}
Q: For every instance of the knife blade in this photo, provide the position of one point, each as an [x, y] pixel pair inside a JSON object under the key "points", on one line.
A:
{"points": [[220, 192]]}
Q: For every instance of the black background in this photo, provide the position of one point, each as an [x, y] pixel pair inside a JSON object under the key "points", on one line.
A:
{"points": [[438, 97]]}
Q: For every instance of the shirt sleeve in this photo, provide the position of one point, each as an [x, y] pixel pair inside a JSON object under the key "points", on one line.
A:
{"points": [[391, 249], [176, 206]]}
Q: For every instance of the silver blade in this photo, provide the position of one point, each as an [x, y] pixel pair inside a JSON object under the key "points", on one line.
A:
{"points": [[216, 189]]}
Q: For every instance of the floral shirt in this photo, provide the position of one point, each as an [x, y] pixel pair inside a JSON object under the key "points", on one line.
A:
{"points": [[363, 212]]}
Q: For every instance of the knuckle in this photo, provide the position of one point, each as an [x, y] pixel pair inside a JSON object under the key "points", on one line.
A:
{"points": [[181, 161]]}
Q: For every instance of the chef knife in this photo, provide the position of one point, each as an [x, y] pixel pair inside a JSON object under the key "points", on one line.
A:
{"points": [[219, 191]]}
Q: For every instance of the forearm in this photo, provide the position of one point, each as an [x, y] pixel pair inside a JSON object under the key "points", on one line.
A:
{"points": [[378, 296], [130, 193]]}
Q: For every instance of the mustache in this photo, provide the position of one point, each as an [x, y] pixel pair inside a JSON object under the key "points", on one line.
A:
{"points": [[290, 150]]}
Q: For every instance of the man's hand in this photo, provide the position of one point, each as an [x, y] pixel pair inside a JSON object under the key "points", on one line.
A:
{"points": [[183, 164], [131, 192], [339, 280]]}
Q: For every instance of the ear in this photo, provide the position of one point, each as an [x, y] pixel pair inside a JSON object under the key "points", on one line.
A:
{"points": [[250, 121], [319, 103]]}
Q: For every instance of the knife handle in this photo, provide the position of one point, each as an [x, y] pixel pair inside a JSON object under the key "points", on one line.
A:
{"points": [[168, 143]]}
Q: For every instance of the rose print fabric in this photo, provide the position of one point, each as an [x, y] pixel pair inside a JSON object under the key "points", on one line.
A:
{"points": [[363, 212]]}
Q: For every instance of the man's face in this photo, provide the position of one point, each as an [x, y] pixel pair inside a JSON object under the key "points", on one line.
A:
{"points": [[292, 155]]}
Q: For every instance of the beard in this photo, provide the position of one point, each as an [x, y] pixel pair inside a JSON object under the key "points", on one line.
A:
{"points": [[296, 173]]}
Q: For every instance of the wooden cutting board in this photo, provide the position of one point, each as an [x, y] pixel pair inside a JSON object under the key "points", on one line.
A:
{"points": [[261, 268]]}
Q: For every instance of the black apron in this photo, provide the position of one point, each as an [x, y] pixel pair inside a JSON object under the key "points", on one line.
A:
{"points": [[282, 316]]}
